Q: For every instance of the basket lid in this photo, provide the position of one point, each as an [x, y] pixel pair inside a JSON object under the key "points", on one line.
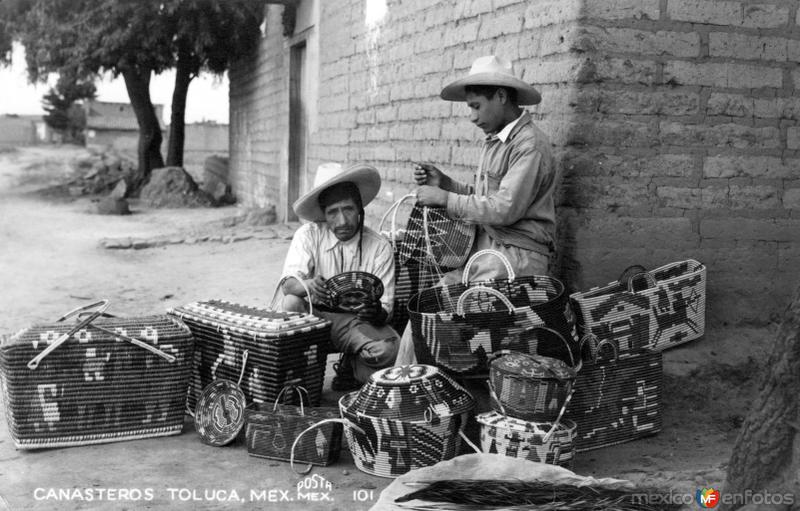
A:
{"points": [[413, 393], [532, 366], [495, 419], [255, 321], [219, 414]]}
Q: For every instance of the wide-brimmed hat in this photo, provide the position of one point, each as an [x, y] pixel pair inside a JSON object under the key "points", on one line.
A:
{"points": [[366, 178], [492, 70]]}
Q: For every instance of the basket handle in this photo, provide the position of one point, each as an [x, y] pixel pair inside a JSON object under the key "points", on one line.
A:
{"points": [[393, 209], [279, 288], [102, 306], [137, 342], [346, 422], [503, 298], [299, 390], [634, 272], [569, 350], [648, 278], [499, 255], [468, 441]]}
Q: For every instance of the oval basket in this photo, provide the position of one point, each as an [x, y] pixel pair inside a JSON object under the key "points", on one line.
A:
{"points": [[352, 289], [518, 438], [409, 417], [219, 415]]}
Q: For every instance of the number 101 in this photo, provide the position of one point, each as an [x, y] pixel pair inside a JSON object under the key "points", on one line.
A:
{"points": [[363, 495]]}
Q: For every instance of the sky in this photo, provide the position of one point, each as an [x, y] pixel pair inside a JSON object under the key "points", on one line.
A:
{"points": [[207, 98]]}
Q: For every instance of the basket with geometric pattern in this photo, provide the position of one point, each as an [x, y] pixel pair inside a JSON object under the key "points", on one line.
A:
{"points": [[528, 440]]}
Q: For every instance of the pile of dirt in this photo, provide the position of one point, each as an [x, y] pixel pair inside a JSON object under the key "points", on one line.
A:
{"points": [[173, 187], [98, 173]]}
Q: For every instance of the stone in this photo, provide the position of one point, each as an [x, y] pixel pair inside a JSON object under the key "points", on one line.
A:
{"points": [[113, 206], [215, 179], [120, 190], [261, 216], [173, 187]]}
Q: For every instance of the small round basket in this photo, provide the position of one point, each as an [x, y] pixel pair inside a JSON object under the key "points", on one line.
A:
{"points": [[409, 417], [531, 387], [352, 289], [219, 414], [518, 438]]}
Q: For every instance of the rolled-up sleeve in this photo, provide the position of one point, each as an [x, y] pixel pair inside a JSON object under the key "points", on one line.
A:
{"points": [[300, 257], [509, 203]]}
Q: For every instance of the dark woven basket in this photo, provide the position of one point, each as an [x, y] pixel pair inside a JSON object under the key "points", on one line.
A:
{"points": [[406, 417], [500, 314], [111, 379], [283, 347], [272, 429], [352, 290]]}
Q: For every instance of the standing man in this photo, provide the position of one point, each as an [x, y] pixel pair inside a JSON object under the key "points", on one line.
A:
{"points": [[511, 199], [336, 241]]}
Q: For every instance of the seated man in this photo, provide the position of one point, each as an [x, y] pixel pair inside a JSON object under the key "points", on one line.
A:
{"points": [[333, 242]]}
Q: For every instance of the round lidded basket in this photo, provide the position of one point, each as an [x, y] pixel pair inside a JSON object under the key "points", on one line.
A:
{"points": [[518, 438], [531, 387], [409, 417]]}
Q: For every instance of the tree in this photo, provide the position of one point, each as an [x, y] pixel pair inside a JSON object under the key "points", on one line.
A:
{"points": [[134, 39], [64, 114], [766, 455]]}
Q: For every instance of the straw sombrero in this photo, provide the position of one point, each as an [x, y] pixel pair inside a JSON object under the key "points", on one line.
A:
{"points": [[492, 70], [366, 178]]}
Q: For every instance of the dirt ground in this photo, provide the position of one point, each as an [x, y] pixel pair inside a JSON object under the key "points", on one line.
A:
{"points": [[52, 260]]}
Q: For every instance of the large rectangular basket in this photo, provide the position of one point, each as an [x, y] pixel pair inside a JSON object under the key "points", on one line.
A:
{"points": [[96, 387], [617, 401], [669, 312], [283, 348]]}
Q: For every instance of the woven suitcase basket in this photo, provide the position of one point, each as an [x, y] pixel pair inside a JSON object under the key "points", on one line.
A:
{"points": [[617, 401], [283, 347], [96, 386], [650, 310], [518, 438]]}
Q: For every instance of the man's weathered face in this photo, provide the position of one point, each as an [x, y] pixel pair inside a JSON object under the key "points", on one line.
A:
{"points": [[487, 114], [342, 218]]}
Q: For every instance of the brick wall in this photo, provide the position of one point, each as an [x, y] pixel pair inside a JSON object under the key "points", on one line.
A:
{"points": [[674, 123]]}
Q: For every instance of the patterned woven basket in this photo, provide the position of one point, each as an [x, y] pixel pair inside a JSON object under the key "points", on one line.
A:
{"points": [[404, 418], [352, 289], [462, 324], [531, 387], [272, 429], [283, 347], [647, 310], [104, 379], [518, 438], [617, 401]]}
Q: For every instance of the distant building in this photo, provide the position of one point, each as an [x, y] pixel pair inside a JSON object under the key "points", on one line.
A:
{"points": [[114, 125], [22, 130]]}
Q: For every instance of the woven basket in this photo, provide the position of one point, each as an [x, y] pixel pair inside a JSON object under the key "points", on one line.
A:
{"points": [[272, 429], [283, 347], [462, 324], [518, 438], [531, 387], [104, 379], [404, 418], [617, 401], [353, 289], [647, 310]]}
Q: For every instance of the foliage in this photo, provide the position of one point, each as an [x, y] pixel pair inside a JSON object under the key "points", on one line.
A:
{"points": [[64, 113]]}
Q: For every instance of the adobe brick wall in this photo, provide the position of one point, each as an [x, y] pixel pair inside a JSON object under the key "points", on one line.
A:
{"points": [[674, 123]]}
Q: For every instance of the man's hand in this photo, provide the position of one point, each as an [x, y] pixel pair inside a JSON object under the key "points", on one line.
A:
{"points": [[427, 174], [319, 291], [373, 313], [431, 196]]}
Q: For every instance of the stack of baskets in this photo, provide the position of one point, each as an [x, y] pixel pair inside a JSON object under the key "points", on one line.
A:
{"points": [[403, 418], [530, 394], [618, 396], [284, 348]]}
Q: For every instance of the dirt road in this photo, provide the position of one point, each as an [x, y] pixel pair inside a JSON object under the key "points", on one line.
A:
{"points": [[50, 262]]}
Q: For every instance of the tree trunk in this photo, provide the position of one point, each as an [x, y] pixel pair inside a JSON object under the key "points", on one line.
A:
{"points": [[149, 150], [185, 70], [766, 456]]}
